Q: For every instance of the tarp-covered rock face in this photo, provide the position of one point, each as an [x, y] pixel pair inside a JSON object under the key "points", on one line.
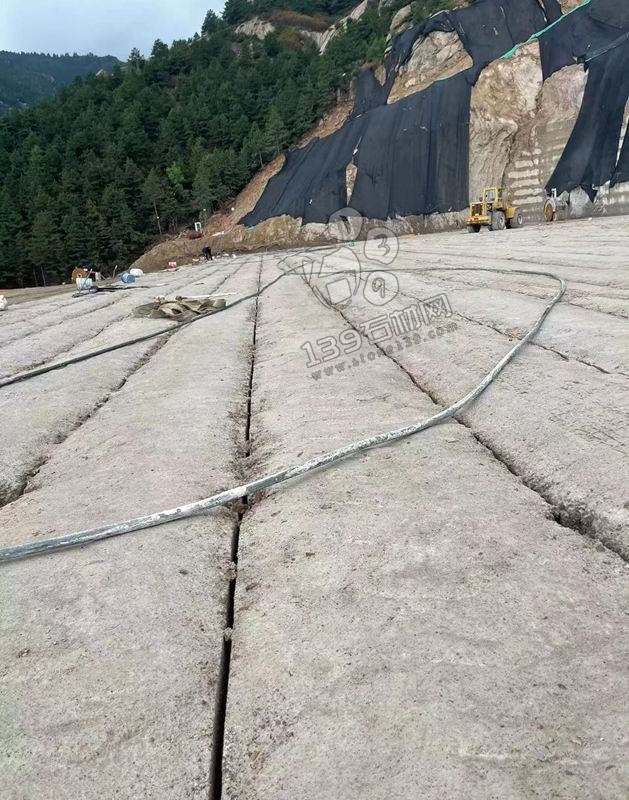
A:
{"points": [[414, 154], [312, 183], [411, 157], [589, 31], [370, 93], [598, 34], [487, 28], [589, 159]]}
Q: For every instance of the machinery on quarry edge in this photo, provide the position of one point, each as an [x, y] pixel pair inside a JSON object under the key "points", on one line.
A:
{"points": [[494, 211]]}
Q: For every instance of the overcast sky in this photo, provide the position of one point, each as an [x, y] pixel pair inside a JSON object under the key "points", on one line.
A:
{"points": [[104, 27]]}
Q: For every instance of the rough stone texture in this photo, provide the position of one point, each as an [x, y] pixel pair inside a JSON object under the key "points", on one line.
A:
{"points": [[350, 179], [595, 269], [413, 623], [503, 100], [54, 340], [438, 56], [110, 655], [584, 335], [580, 358], [257, 27], [76, 393], [18, 320], [402, 20], [20, 296]]}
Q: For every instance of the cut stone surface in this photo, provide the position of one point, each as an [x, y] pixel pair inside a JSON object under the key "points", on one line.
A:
{"points": [[441, 617], [411, 623], [31, 428], [111, 654]]}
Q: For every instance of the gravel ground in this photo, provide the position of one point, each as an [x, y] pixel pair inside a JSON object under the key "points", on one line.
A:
{"points": [[442, 617]]}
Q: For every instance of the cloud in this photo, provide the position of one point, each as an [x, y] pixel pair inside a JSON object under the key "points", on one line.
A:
{"points": [[104, 27]]}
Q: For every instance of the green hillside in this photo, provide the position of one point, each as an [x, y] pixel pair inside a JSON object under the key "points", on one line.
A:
{"points": [[27, 78], [240, 10], [180, 131]]}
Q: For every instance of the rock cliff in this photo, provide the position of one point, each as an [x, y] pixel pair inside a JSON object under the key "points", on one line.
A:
{"points": [[519, 126]]}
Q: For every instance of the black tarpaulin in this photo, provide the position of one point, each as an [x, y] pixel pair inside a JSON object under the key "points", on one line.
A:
{"points": [[551, 57], [621, 173], [279, 196], [411, 158], [487, 29], [414, 154], [589, 158], [585, 33], [370, 93], [312, 182], [328, 190], [490, 28], [552, 9]]}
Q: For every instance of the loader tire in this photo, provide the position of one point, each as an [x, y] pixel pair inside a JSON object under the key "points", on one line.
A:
{"points": [[473, 228], [517, 220], [550, 211], [498, 221]]}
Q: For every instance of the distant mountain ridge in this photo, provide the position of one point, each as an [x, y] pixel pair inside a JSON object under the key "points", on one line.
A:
{"points": [[27, 78]]}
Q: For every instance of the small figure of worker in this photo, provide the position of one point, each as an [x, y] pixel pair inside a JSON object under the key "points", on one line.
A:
{"points": [[207, 252]]}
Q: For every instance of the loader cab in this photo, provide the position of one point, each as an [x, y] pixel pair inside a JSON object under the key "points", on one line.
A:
{"points": [[491, 197]]}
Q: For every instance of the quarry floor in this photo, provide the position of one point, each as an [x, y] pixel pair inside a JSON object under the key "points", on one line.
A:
{"points": [[445, 617]]}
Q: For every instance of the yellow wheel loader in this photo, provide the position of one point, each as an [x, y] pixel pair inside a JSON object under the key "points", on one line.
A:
{"points": [[494, 211]]}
